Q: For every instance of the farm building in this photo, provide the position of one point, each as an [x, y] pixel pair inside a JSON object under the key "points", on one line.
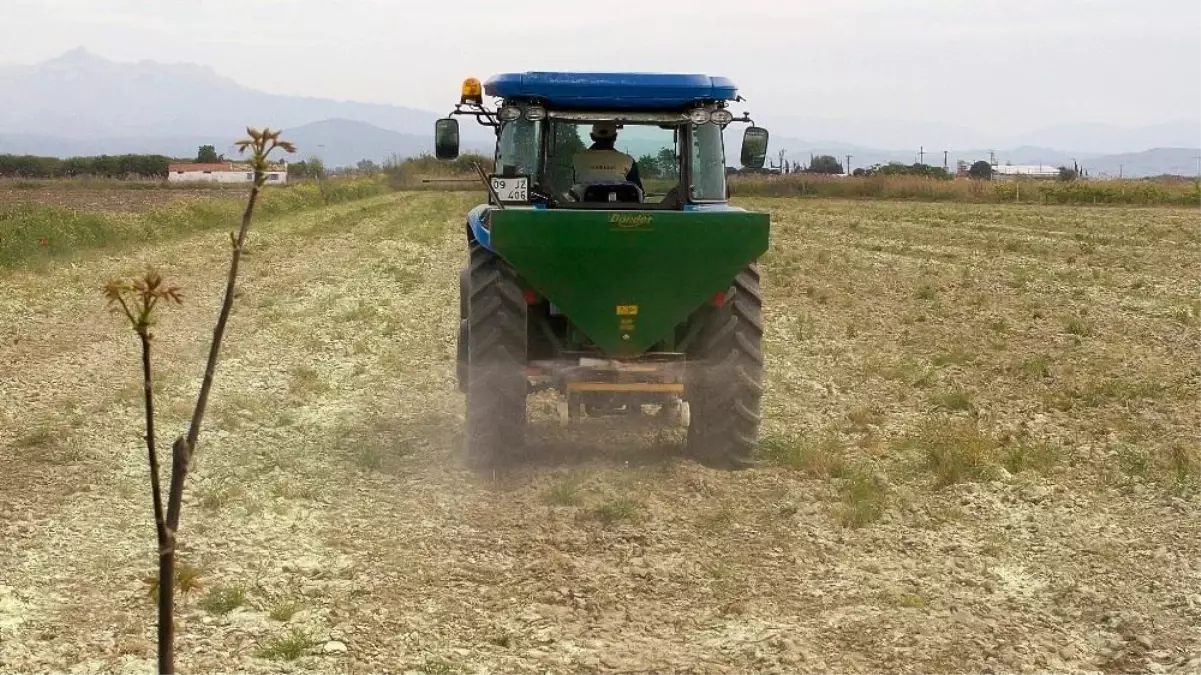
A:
{"points": [[223, 172], [1003, 171]]}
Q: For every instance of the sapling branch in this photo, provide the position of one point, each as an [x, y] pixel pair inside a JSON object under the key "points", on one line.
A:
{"points": [[137, 300]]}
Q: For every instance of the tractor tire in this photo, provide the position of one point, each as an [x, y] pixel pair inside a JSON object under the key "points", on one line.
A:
{"points": [[496, 359], [461, 352], [461, 356], [725, 379]]}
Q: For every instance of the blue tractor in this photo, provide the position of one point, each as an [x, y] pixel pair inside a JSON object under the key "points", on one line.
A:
{"points": [[607, 264]]}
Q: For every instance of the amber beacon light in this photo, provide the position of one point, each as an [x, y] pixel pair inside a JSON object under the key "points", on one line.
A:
{"points": [[472, 92]]}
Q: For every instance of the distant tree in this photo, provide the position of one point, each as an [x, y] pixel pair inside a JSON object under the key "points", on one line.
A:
{"points": [[859, 172], [367, 166], [313, 167], [825, 164], [916, 169], [980, 169], [1066, 174], [566, 142], [207, 155], [648, 166], [668, 164]]}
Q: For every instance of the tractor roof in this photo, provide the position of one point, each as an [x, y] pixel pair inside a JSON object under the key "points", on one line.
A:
{"points": [[644, 91]]}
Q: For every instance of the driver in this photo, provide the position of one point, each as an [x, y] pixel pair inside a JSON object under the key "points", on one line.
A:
{"points": [[602, 162]]}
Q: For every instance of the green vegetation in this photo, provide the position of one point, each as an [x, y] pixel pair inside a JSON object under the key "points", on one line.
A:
{"points": [[33, 232], [223, 600], [886, 185], [285, 610], [615, 511], [105, 166], [288, 647]]}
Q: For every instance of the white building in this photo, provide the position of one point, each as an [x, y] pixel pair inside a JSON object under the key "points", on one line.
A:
{"points": [[222, 172], [1025, 171]]}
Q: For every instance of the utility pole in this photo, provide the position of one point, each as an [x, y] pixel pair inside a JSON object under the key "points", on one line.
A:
{"points": [[992, 157], [921, 154], [1120, 171], [945, 167], [849, 165]]}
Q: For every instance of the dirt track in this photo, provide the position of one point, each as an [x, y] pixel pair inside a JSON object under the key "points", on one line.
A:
{"points": [[327, 482]]}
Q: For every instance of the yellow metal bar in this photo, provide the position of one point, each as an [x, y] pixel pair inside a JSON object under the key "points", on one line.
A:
{"points": [[626, 386]]}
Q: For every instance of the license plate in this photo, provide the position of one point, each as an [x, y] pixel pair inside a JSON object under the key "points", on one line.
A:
{"points": [[512, 189]]}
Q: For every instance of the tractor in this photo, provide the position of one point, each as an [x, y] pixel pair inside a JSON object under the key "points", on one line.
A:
{"points": [[618, 293]]}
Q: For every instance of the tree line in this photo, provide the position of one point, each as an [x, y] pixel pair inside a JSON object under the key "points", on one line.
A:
{"points": [[105, 166]]}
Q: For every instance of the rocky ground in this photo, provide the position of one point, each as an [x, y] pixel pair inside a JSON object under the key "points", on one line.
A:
{"points": [[980, 425]]}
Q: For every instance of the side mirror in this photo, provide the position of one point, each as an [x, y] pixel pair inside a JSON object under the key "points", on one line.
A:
{"points": [[754, 147], [446, 138]]}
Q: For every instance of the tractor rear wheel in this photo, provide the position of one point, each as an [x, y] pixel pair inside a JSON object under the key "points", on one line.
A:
{"points": [[496, 359], [461, 339], [726, 377]]}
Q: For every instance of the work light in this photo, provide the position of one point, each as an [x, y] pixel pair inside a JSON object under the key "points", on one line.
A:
{"points": [[722, 117]]}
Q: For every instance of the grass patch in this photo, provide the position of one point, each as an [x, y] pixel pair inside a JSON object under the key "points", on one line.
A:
{"points": [[1099, 392], [817, 458], [40, 438], [436, 667], [406, 277], [1078, 326], [953, 450], [223, 599], [863, 498], [565, 493], [1039, 457], [285, 610], [1134, 462], [288, 647], [293, 489], [216, 497], [306, 381], [954, 357], [956, 400], [1036, 367], [1184, 463], [863, 417], [903, 599], [380, 443], [360, 312], [907, 372], [618, 510], [718, 520]]}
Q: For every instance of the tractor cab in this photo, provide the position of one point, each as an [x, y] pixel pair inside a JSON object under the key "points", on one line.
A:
{"points": [[605, 140]]}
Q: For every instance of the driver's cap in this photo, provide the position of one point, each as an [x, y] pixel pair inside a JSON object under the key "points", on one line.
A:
{"points": [[603, 131]]}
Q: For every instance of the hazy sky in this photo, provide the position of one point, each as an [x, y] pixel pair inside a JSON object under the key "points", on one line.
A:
{"points": [[1006, 66]]}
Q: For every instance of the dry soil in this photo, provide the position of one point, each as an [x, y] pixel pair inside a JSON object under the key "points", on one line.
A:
{"points": [[981, 425]]}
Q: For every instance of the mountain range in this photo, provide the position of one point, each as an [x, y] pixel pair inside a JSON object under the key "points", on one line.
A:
{"points": [[80, 103]]}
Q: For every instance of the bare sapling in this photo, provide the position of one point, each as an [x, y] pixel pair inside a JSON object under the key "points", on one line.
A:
{"points": [[137, 299]]}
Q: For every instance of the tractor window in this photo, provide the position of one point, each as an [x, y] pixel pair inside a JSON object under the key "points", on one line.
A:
{"points": [[708, 163], [653, 149], [517, 148]]}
